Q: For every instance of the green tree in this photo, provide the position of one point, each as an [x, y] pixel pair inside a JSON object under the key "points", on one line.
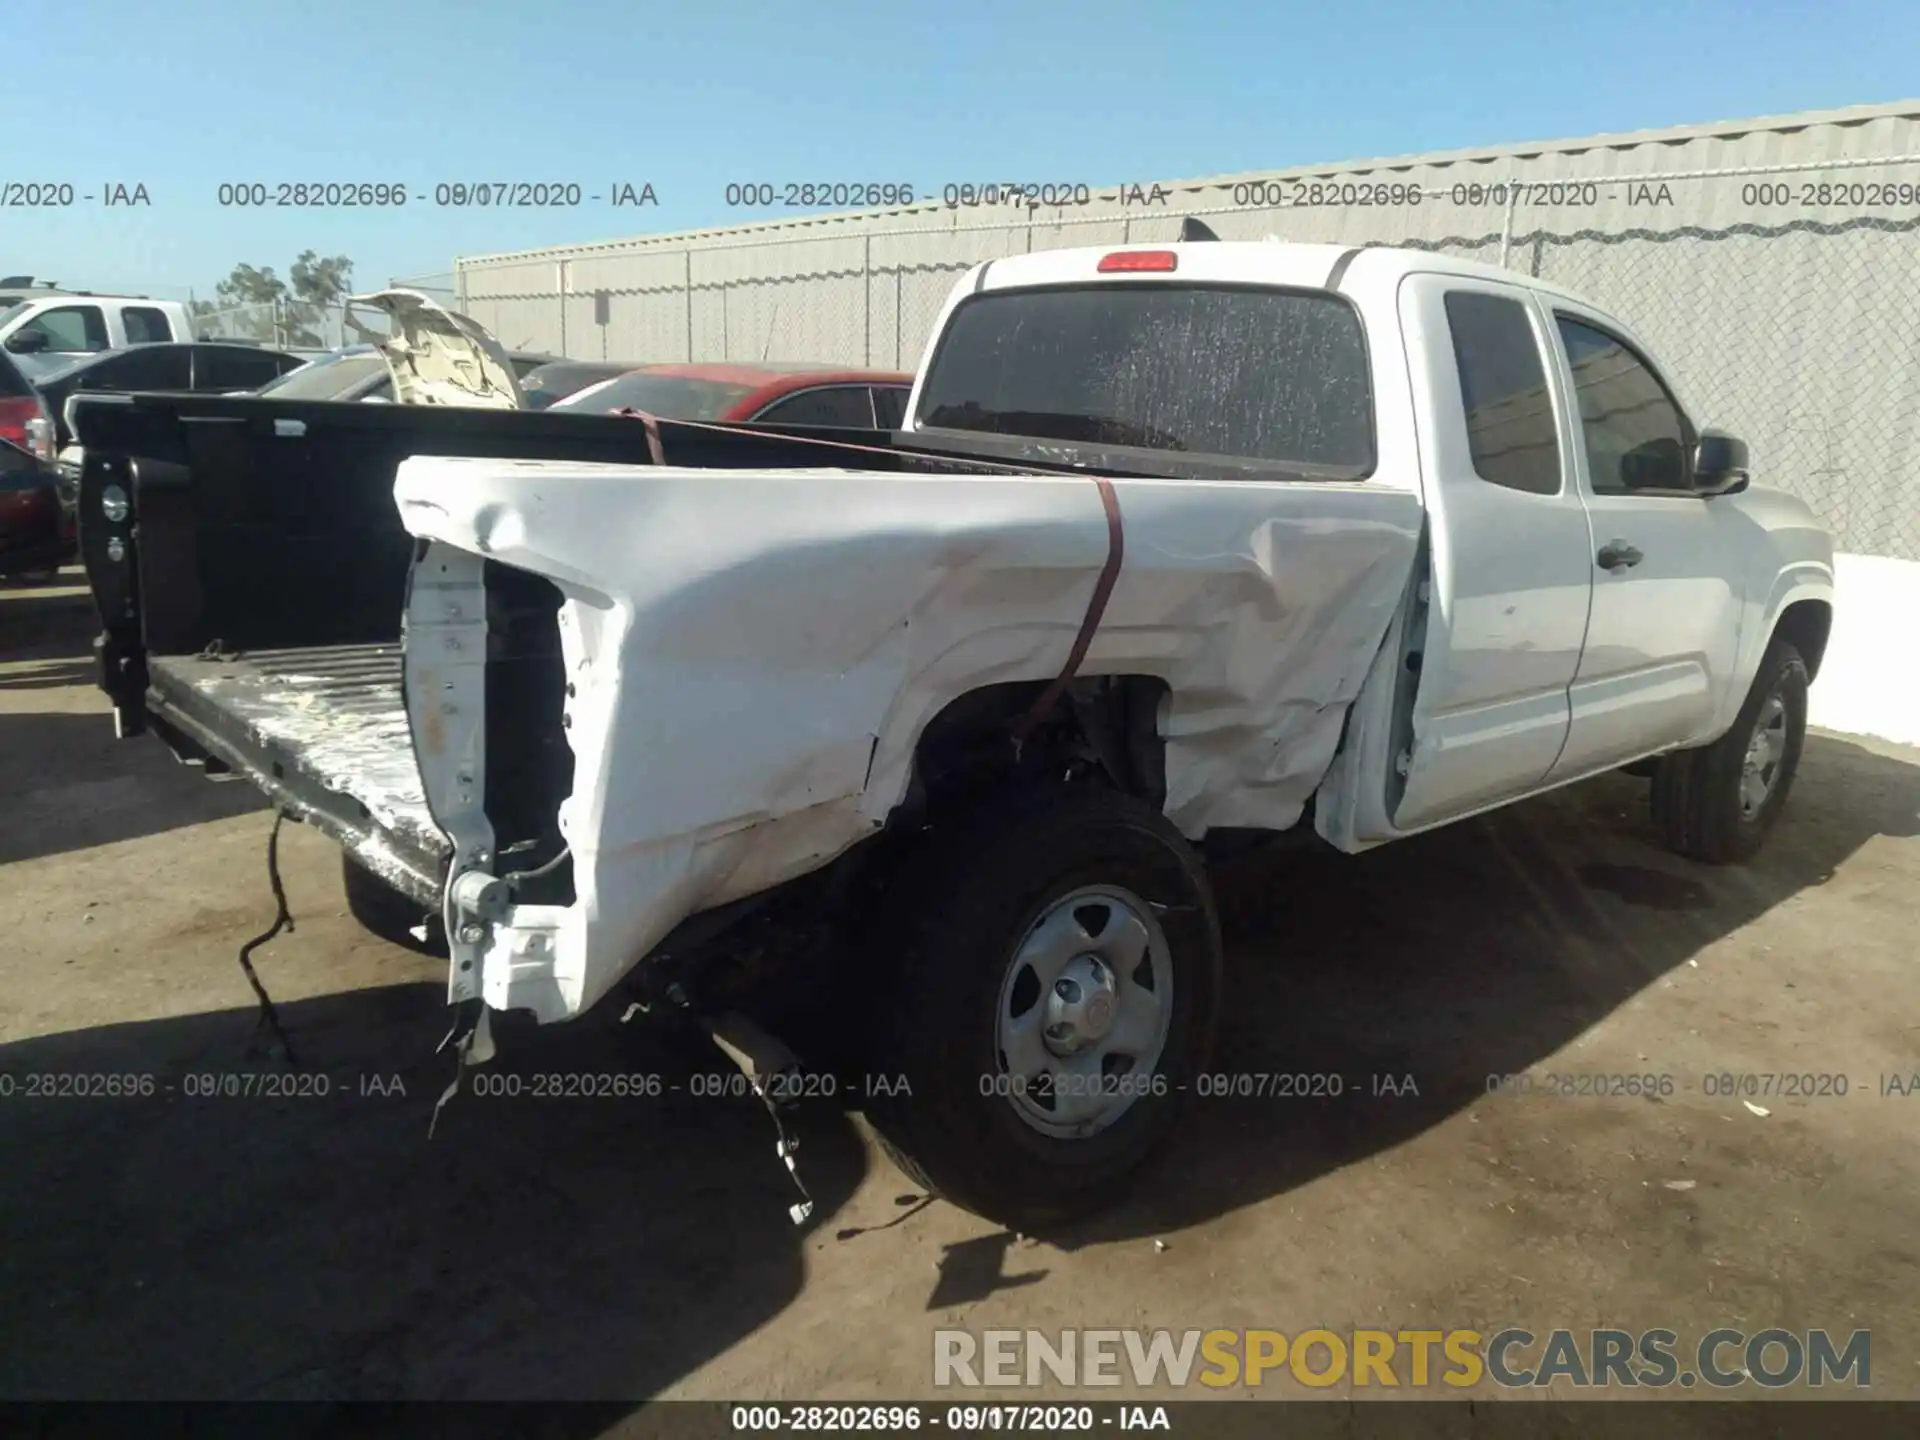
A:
{"points": [[260, 305]]}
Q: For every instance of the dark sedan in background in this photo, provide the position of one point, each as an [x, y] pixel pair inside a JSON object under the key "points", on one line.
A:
{"points": [[209, 366], [216, 367]]}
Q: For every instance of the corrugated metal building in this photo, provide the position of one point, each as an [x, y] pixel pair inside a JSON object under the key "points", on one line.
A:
{"points": [[1772, 262]]}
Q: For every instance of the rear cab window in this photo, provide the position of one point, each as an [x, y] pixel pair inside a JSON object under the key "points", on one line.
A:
{"points": [[146, 325], [1511, 433], [1274, 380]]}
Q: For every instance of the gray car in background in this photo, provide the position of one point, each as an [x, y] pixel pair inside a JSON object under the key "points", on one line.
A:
{"points": [[360, 373]]}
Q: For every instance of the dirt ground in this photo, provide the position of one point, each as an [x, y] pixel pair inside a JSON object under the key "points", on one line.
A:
{"points": [[188, 1247]]}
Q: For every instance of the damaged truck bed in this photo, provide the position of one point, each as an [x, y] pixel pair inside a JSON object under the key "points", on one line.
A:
{"points": [[319, 726], [807, 624], [1177, 540]]}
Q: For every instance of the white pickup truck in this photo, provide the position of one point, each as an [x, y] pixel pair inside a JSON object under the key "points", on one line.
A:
{"points": [[45, 333], [1178, 542]]}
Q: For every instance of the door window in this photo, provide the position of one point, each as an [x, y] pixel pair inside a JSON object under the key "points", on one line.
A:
{"points": [[848, 405], [138, 370], [1635, 435], [71, 327], [235, 368]]}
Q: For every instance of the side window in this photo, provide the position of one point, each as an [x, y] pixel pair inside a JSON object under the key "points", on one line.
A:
{"points": [[138, 370], [829, 405], [1503, 383], [231, 368], [145, 325], [1635, 435], [71, 327], [890, 406]]}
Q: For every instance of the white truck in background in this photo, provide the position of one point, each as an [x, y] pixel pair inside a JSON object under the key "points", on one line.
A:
{"points": [[1178, 541], [47, 332]]}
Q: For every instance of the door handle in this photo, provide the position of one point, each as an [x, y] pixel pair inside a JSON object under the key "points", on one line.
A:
{"points": [[1617, 555]]}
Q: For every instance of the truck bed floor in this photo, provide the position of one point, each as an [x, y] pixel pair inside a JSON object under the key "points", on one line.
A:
{"points": [[316, 724]]}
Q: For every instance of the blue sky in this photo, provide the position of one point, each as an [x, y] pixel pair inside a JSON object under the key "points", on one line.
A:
{"points": [[184, 95]]}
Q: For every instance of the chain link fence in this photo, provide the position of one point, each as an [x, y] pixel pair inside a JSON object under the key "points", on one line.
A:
{"points": [[1815, 368], [287, 325], [299, 325], [1795, 330], [1811, 361]]}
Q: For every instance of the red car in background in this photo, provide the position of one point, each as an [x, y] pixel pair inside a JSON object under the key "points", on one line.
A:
{"points": [[782, 393]]}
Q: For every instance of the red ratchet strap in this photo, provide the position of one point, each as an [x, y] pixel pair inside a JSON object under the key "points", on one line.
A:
{"points": [[1089, 623], [654, 450], [1096, 605], [652, 422]]}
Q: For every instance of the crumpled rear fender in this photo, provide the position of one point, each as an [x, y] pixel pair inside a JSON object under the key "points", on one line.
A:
{"points": [[753, 656]]}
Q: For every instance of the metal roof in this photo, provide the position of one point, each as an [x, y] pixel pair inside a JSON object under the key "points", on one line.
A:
{"points": [[842, 224]]}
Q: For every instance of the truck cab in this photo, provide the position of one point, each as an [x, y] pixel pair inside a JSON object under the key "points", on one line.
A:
{"points": [[1602, 578], [46, 332]]}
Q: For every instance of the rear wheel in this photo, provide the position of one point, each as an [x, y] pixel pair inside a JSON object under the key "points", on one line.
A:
{"points": [[1718, 802], [385, 912], [1050, 998]]}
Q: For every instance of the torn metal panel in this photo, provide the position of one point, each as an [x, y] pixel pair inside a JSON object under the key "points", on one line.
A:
{"points": [[439, 356], [753, 655], [443, 679]]}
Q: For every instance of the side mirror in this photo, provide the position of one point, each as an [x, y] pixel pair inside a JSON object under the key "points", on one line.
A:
{"points": [[27, 342], [1720, 464]]}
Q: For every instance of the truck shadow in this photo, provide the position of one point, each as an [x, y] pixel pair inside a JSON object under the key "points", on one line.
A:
{"points": [[69, 783], [46, 619], [1470, 952], [72, 785], [320, 1247]]}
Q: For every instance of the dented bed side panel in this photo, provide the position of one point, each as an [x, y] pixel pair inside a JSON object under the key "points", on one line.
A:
{"points": [[753, 656]]}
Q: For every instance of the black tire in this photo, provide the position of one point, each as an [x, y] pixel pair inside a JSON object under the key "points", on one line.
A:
{"points": [[1697, 798], [385, 912], [961, 910]]}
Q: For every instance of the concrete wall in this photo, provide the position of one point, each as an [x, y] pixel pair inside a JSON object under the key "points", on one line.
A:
{"points": [[1870, 681]]}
